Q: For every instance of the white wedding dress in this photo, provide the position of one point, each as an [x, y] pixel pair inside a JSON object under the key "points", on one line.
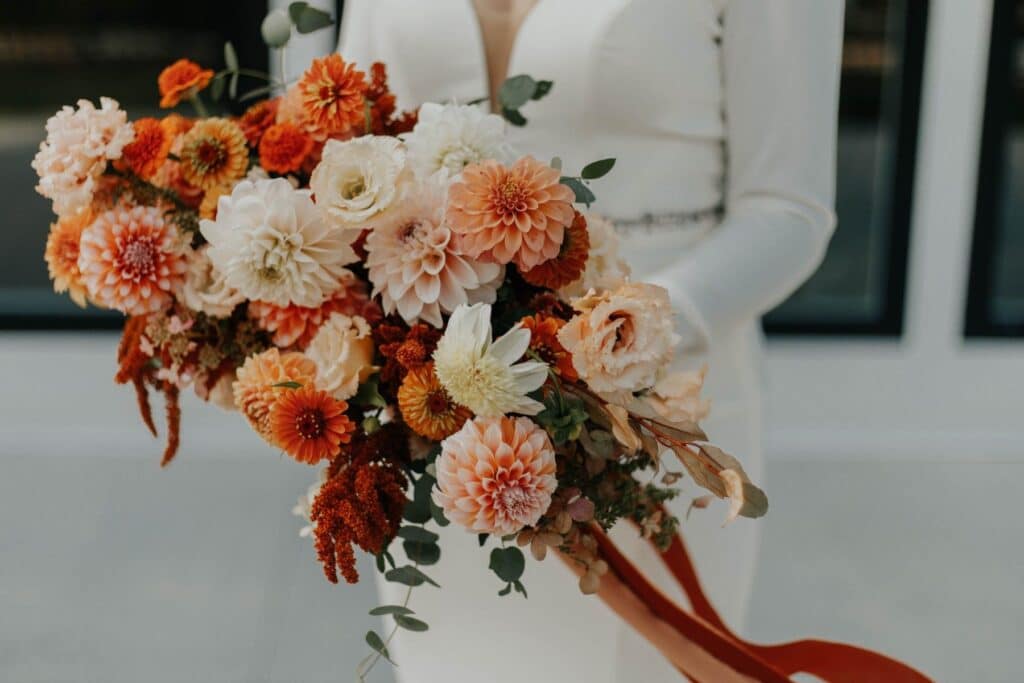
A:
{"points": [[706, 105]]}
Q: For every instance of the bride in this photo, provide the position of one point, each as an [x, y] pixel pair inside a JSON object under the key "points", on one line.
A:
{"points": [[721, 115]]}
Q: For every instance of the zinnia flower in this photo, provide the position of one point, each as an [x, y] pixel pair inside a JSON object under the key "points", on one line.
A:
{"points": [[214, 153], [257, 119], [544, 342], [256, 386], [309, 424], [415, 267], [144, 155], [283, 148], [131, 260], [271, 244], [79, 143], [205, 289], [484, 375], [496, 475], [426, 407], [62, 248], [619, 340], [605, 269], [568, 266], [343, 353], [332, 95], [453, 136], [510, 214], [181, 80]]}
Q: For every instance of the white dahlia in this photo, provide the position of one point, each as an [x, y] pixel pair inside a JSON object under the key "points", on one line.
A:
{"points": [[605, 268], [414, 266], [483, 375], [79, 143], [452, 136], [357, 181], [342, 350], [205, 289], [271, 244]]}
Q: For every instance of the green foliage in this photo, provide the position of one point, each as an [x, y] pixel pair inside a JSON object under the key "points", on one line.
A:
{"points": [[597, 169], [287, 385], [409, 575], [390, 609], [417, 510], [579, 188], [563, 417], [411, 623], [508, 563], [517, 91], [368, 394], [308, 19], [376, 643], [417, 534]]}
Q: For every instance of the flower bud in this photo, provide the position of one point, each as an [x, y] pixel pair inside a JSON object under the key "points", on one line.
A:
{"points": [[276, 28], [590, 583]]}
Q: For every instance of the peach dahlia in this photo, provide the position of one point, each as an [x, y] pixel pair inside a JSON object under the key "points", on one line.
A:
{"points": [[62, 248], [257, 386]]}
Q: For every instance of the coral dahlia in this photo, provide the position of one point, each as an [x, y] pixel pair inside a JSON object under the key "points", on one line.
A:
{"points": [[181, 80], [310, 425], [214, 153], [333, 95], [255, 390], [426, 406]]}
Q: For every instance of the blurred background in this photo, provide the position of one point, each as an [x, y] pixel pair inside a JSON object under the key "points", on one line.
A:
{"points": [[894, 429]]}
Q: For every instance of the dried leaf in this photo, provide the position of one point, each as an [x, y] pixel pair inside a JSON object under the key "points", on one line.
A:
{"points": [[699, 503], [745, 499], [704, 473]]}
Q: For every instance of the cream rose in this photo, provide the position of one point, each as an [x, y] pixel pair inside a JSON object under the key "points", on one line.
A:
{"points": [[343, 353], [621, 339], [205, 289], [676, 397]]}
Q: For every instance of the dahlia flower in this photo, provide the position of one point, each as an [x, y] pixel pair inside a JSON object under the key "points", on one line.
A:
{"points": [[570, 262], [310, 425], [358, 181], [62, 248], [79, 143], [453, 136], [605, 269], [131, 260], [342, 350], [271, 244], [484, 375], [205, 289], [513, 214], [414, 266], [332, 93], [496, 475], [256, 386], [621, 339]]}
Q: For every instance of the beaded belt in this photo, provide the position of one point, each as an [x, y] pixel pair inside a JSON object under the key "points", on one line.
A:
{"points": [[651, 222]]}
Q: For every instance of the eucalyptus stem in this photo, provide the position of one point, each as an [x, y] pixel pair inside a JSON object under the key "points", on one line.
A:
{"points": [[387, 641], [198, 105]]}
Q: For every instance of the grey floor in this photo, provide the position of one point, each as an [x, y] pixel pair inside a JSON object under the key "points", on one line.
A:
{"points": [[113, 570]]}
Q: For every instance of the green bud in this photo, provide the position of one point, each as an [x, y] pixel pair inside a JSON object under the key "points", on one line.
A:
{"points": [[276, 28], [371, 424]]}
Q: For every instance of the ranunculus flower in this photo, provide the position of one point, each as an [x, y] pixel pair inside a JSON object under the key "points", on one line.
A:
{"points": [[343, 352], [205, 289], [619, 340]]}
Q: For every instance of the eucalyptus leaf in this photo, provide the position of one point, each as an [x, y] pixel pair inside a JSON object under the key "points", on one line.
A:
{"points": [[506, 590], [556, 163], [308, 19], [409, 576], [256, 92], [437, 514], [390, 609], [411, 623], [417, 534], [513, 116], [482, 539], [374, 640], [508, 563], [520, 588], [542, 89], [597, 169], [417, 510], [230, 56], [287, 385], [233, 86], [217, 88], [582, 192], [426, 554], [276, 28], [516, 91]]}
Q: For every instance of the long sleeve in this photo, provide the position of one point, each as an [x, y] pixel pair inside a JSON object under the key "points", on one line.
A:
{"points": [[780, 64]]}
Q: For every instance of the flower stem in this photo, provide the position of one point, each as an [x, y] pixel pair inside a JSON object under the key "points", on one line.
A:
{"points": [[198, 105]]}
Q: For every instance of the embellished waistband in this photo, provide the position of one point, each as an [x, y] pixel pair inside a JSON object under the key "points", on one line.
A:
{"points": [[656, 222]]}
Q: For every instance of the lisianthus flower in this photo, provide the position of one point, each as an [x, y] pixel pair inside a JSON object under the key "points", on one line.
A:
{"points": [[257, 384], [149, 149], [483, 375], [426, 407], [342, 350], [205, 289], [271, 244], [544, 342], [568, 266], [605, 269], [415, 267], [496, 475], [131, 260], [512, 214], [214, 153], [676, 397], [283, 148], [181, 80], [310, 425], [333, 95], [453, 136], [257, 119]]}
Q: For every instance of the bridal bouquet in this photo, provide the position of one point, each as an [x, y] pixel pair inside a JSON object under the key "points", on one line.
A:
{"points": [[397, 298]]}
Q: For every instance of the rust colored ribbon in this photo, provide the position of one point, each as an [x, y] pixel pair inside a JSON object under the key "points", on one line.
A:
{"points": [[829, 661]]}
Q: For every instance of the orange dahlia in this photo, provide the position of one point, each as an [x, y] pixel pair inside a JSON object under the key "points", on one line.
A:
{"points": [[513, 214], [283, 148], [427, 408], [332, 93], [181, 80], [144, 155], [257, 119], [214, 153], [62, 248], [571, 261], [131, 260], [544, 342], [310, 425], [254, 388]]}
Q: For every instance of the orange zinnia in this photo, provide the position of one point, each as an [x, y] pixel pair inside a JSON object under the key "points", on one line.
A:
{"points": [[62, 255], [427, 408], [510, 214], [332, 93], [258, 118], [283, 148], [149, 149], [181, 80], [214, 153], [544, 342], [571, 261], [309, 424]]}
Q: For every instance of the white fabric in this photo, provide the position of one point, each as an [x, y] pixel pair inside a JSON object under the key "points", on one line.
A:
{"points": [[703, 103]]}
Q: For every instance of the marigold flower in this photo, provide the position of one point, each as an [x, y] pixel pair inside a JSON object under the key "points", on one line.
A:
{"points": [[332, 93], [62, 247], [255, 390], [214, 153], [257, 119], [283, 148], [510, 214], [181, 80], [426, 406], [570, 263], [310, 425], [544, 342], [144, 155]]}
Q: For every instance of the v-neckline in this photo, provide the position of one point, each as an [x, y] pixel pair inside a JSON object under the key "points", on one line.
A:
{"points": [[485, 64]]}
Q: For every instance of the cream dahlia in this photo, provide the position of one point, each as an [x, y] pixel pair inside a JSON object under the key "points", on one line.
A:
{"points": [[496, 475], [414, 266], [271, 244], [131, 260], [205, 289], [513, 214], [79, 143], [258, 384], [342, 350], [450, 137], [605, 269], [483, 375]]}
